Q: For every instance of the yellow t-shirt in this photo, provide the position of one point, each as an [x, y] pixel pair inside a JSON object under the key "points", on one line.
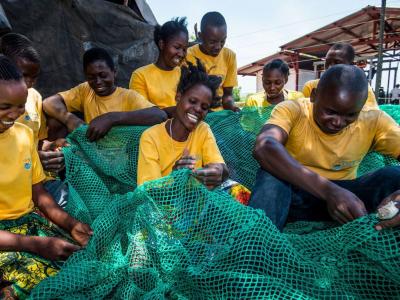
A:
{"points": [[158, 152], [156, 85], [223, 65], [312, 84], [82, 98], [34, 117], [20, 169], [260, 100], [335, 156]]}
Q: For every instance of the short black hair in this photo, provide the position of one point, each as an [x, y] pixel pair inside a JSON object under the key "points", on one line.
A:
{"points": [[170, 29], [192, 75], [347, 49], [8, 70], [212, 18], [277, 64], [15, 45], [96, 54], [344, 77]]}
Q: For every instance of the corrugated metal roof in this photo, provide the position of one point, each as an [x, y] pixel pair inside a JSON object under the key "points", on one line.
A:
{"points": [[360, 29]]}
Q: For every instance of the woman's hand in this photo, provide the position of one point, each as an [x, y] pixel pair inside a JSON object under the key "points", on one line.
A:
{"points": [[53, 248], [186, 161], [211, 176], [81, 233]]}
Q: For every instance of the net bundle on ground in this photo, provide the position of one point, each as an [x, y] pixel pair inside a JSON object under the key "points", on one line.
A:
{"points": [[173, 239]]}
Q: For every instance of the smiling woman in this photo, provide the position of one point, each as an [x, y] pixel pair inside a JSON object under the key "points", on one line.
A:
{"points": [[158, 82], [102, 103]]}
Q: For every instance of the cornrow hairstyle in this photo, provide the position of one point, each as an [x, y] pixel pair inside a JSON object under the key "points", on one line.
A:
{"points": [[15, 45], [277, 64], [8, 70], [212, 18], [96, 54], [170, 29], [347, 49], [192, 75]]}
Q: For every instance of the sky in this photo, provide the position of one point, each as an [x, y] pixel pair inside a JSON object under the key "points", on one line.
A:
{"points": [[256, 28]]}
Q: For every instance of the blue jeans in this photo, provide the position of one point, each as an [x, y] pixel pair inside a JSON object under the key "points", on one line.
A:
{"points": [[58, 190], [283, 202]]}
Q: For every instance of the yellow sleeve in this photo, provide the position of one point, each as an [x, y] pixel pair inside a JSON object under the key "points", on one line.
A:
{"points": [[136, 101], [73, 98], [138, 84], [251, 102], [387, 136], [210, 151], [371, 100], [231, 75], [285, 115], [149, 162], [307, 88], [37, 169]]}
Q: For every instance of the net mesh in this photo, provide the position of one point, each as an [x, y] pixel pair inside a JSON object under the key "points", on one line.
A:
{"points": [[173, 239]]}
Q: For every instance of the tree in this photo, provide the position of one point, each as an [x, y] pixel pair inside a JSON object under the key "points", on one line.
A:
{"points": [[236, 93]]}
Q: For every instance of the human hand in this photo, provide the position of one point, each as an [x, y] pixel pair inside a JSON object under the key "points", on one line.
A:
{"points": [[52, 160], [229, 104], [395, 221], [99, 127], [54, 248], [344, 206], [211, 176], [186, 161], [81, 233]]}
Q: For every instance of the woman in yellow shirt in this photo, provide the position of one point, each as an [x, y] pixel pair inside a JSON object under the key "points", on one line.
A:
{"points": [[20, 50], [186, 141], [102, 103], [30, 245], [275, 76], [157, 82]]}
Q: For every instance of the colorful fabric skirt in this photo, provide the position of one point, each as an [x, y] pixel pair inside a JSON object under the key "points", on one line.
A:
{"points": [[237, 191], [22, 271]]}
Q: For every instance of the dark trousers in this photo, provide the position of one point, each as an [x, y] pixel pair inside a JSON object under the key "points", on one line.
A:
{"points": [[283, 202]]}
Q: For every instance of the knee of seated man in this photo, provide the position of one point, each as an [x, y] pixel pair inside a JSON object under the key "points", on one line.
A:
{"points": [[390, 174]]}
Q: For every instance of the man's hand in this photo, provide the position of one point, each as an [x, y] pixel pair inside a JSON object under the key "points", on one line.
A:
{"points": [[186, 161], [344, 206], [229, 104], [53, 248], [99, 127], [211, 176], [81, 233], [395, 221]]}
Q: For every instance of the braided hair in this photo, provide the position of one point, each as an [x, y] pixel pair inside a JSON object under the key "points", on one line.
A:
{"points": [[8, 70], [15, 45], [170, 29], [192, 75], [277, 64]]}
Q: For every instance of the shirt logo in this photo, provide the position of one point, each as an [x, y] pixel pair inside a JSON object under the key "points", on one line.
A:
{"points": [[345, 165], [27, 163]]}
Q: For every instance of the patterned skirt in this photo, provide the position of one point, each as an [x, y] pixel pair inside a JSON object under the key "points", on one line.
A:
{"points": [[237, 191], [21, 271]]}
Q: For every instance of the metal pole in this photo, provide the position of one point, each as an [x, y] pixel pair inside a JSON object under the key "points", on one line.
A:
{"points": [[380, 49]]}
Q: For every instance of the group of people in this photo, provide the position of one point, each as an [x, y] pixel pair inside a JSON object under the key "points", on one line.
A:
{"points": [[308, 151]]}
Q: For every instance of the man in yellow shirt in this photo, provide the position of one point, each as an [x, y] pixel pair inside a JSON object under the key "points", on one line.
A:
{"points": [[340, 53], [103, 104], [309, 153], [217, 59]]}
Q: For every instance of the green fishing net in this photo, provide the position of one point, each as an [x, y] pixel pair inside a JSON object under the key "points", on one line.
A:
{"points": [[173, 239]]}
